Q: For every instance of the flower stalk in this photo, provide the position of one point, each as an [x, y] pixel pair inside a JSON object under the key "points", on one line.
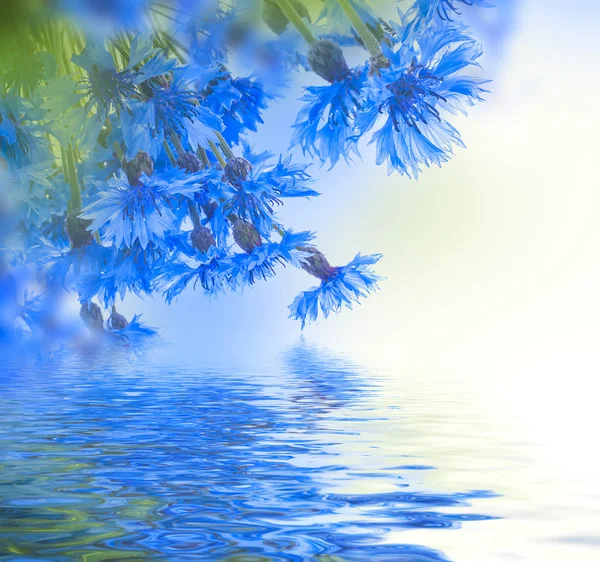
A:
{"points": [[369, 40], [217, 154], [291, 14], [169, 153], [71, 174], [225, 146]]}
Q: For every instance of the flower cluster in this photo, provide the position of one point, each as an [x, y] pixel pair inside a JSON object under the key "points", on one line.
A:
{"points": [[124, 153]]}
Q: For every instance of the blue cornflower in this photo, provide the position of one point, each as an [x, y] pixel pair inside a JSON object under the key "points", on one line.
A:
{"points": [[443, 9], [126, 271], [239, 102], [134, 333], [253, 192], [325, 125], [106, 87], [22, 140], [340, 286], [63, 269], [419, 80], [172, 106], [141, 214], [207, 270], [245, 268]]}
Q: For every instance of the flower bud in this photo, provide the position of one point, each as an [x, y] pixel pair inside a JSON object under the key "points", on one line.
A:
{"points": [[77, 231], [209, 209], [189, 162], [326, 59], [237, 170], [246, 236], [91, 315], [202, 239], [117, 321], [141, 164], [316, 264]]}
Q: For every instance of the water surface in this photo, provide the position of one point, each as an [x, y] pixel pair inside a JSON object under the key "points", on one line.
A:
{"points": [[309, 457]]}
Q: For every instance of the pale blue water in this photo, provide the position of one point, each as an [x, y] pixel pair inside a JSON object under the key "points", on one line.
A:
{"points": [[134, 460]]}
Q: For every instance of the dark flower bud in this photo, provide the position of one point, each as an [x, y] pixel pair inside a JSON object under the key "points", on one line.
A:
{"points": [[141, 164], [237, 32], [326, 59], [92, 316], [189, 162], [316, 264], [201, 238], [237, 170], [246, 236], [276, 19], [117, 321], [209, 209], [77, 231]]}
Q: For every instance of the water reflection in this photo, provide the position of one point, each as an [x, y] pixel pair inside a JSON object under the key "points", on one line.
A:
{"points": [[131, 461]]}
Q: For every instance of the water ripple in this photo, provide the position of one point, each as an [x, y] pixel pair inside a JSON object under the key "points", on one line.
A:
{"points": [[154, 463]]}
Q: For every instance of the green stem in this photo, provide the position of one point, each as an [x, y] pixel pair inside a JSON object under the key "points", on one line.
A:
{"points": [[224, 146], [194, 214], [176, 143], [291, 14], [71, 171], [369, 40], [169, 153], [204, 157], [217, 154], [119, 151]]}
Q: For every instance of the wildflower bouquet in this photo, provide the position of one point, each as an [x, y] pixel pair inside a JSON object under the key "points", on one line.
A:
{"points": [[123, 141]]}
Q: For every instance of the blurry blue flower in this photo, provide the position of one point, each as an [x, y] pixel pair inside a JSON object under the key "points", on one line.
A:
{"points": [[171, 107], [126, 271], [63, 269], [105, 86], [239, 102], [209, 31], [344, 286], [135, 334], [420, 80], [324, 126], [22, 132], [104, 17], [444, 9], [140, 214]]}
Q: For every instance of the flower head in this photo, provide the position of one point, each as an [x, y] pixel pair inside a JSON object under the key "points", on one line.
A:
{"points": [[240, 103], [342, 287], [141, 214], [420, 81], [175, 276], [259, 263], [253, 192], [324, 126]]}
